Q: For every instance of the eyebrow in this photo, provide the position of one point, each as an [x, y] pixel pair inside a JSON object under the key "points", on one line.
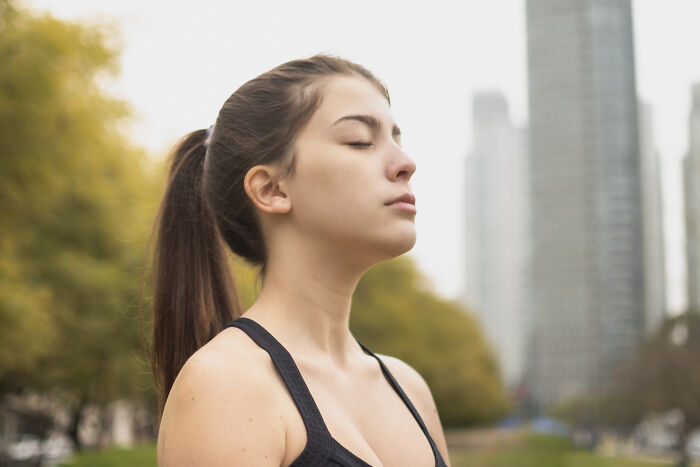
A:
{"points": [[369, 120]]}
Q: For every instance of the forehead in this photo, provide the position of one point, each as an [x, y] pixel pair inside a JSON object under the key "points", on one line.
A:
{"points": [[343, 95]]}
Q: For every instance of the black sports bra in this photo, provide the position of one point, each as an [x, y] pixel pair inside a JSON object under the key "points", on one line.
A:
{"points": [[321, 448]]}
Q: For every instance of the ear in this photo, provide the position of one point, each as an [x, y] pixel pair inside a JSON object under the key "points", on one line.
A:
{"points": [[263, 187]]}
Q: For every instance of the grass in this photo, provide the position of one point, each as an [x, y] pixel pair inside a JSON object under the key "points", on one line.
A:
{"points": [[532, 450], [529, 450], [138, 456]]}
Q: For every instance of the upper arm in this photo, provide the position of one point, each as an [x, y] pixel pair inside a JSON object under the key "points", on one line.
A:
{"points": [[419, 392], [220, 414]]}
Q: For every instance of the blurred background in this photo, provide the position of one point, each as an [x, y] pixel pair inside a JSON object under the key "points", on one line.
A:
{"points": [[552, 300]]}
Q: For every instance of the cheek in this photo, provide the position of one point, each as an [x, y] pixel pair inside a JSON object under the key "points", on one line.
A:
{"points": [[337, 196], [343, 197]]}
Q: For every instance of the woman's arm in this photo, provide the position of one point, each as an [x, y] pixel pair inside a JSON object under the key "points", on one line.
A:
{"points": [[219, 414]]}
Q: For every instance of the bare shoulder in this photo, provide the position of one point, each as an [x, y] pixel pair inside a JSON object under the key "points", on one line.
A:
{"points": [[408, 377], [222, 408], [418, 391]]}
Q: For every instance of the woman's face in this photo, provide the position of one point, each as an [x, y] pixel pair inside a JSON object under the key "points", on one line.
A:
{"points": [[349, 166]]}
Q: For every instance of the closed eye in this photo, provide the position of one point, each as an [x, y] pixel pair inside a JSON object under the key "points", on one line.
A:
{"points": [[360, 144]]}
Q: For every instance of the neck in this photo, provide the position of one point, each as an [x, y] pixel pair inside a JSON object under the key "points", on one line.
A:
{"points": [[305, 302]]}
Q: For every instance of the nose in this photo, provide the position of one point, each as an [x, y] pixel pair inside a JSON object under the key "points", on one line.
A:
{"points": [[400, 165]]}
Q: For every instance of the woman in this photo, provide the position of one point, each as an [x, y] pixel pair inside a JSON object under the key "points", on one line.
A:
{"points": [[302, 174]]}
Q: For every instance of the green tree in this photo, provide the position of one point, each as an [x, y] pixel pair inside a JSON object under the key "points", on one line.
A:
{"points": [[76, 205], [395, 313]]}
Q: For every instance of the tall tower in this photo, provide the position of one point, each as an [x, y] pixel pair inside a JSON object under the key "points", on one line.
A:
{"points": [[691, 172], [587, 228], [654, 258], [498, 241]]}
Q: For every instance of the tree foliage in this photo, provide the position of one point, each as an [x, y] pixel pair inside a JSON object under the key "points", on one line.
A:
{"points": [[75, 201], [395, 313]]}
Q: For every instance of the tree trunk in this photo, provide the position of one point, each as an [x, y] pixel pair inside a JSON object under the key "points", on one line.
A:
{"points": [[75, 424], [683, 460]]}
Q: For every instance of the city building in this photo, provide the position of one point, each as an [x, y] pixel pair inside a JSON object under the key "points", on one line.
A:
{"points": [[654, 257], [589, 311], [691, 176], [497, 233]]}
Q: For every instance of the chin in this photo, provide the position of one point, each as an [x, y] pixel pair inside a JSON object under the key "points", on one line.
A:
{"points": [[372, 246], [399, 244]]}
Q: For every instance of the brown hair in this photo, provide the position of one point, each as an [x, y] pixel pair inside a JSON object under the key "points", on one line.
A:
{"points": [[205, 205]]}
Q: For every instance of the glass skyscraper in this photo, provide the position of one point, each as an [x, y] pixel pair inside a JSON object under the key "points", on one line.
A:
{"points": [[587, 218]]}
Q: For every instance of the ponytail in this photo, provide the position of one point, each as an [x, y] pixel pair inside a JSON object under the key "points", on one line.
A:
{"points": [[194, 295]]}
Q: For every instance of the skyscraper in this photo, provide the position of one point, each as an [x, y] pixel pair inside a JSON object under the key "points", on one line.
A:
{"points": [[497, 225], [691, 175], [654, 258], [587, 226]]}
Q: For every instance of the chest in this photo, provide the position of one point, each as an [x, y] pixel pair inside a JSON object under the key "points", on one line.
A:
{"points": [[368, 418]]}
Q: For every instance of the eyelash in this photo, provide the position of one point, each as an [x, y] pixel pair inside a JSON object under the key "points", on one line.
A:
{"points": [[360, 144]]}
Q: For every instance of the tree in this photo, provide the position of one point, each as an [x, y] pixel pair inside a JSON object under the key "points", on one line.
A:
{"points": [[76, 205], [395, 313], [664, 377]]}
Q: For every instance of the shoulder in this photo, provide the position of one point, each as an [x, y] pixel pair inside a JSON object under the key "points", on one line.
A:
{"points": [[408, 378], [221, 409], [415, 387], [418, 391]]}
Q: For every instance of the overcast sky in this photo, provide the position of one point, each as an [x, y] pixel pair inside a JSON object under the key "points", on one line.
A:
{"points": [[181, 60]]}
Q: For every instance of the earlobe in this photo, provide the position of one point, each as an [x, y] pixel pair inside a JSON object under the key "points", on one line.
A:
{"points": [[263, 188]]}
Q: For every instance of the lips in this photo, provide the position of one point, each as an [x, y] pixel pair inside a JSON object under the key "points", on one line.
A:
{"points": [[406, 198]]}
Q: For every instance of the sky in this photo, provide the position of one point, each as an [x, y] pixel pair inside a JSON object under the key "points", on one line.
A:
{"points": [[181, 61]]}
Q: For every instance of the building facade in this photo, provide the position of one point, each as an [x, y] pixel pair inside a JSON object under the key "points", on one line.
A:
{"points": [[691, 178], [587, 220], [497, 229], [654, 257]]}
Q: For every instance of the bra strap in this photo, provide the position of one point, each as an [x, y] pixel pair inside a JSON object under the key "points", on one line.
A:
{"points": [[318, 449], [405, 398]]}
